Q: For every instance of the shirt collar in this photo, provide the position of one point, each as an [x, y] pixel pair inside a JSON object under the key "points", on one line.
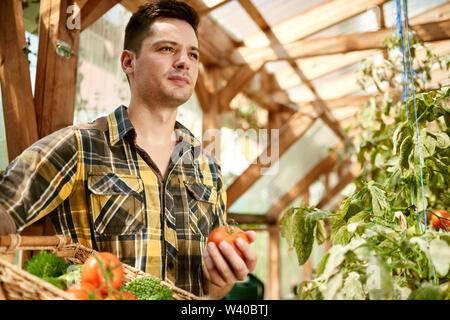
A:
{"points": [[120, 125]]}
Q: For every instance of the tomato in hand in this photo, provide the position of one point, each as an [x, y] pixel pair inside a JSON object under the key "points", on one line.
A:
{"points": [[441, 223], [84, 291], [91, 271], [229, 234]]}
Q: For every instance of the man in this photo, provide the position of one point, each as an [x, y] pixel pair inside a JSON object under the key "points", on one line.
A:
{"points": [[135, 183]]}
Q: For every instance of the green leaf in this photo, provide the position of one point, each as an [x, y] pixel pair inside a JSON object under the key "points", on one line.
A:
{"points": [[428, 291], [330, 289], [405, 150], [321, 233], [440, 256], [442, 139], [400, 132], [322, 263], [353, 289], [380, 204], [298, 228]]}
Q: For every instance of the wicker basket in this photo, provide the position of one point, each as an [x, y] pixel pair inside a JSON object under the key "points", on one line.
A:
{"points": [[18, 284]]}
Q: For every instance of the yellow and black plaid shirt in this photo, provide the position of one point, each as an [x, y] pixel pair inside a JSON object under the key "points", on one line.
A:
{"points": [[102, 190]]}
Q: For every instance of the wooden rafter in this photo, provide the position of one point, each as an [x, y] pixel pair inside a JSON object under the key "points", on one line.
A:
{"points": [[17, 96], [427, 32], [280, 52], [93, 10], [293, 130], [314, 20]]}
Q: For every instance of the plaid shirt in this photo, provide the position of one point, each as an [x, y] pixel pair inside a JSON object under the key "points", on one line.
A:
{"points": [[102, 190]]}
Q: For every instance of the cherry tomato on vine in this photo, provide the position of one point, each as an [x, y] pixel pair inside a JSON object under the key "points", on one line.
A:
{"points": [[91, 272], [229, 234], [441, 223]]}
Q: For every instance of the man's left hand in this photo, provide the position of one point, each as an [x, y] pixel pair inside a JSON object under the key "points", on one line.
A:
{"points": [[223, 266]]}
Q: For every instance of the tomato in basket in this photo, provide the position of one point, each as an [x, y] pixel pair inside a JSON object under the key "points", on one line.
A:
{"points": [[99, 265]]}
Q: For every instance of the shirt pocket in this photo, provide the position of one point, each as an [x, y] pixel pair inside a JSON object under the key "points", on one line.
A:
{"points": [[116, 203], [202, 200]]}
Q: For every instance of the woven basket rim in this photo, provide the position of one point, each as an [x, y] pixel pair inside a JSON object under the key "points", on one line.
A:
{"points": [[177, 292]]}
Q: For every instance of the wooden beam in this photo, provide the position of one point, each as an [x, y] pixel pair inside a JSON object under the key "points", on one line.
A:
{"points": [[93, 10], [293, 130], [17, 96], [316, 67], [438, 13], [242, 218], [427, 32], [238, 81], [273, 283], [323, 167], [313, 20], [56, 75], [348, 177]]}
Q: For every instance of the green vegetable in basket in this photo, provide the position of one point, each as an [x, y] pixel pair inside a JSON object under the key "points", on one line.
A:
{"points": [[51, 268], [149, 288], [46, 264]]}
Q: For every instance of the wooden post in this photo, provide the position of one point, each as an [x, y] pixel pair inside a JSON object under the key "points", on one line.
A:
{"points": [[56, 75], [273, 283], [17, 95]]}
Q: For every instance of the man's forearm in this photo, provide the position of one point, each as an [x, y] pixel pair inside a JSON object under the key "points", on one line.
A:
{"points": [[7, 225]]}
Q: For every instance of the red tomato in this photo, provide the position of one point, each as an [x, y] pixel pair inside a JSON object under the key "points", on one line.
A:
{"points": [[441, 223], [84, 291], [91, 271], [122, 295], [230, 234]]}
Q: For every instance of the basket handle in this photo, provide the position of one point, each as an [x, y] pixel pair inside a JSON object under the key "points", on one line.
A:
{"points": [[15, 242]]}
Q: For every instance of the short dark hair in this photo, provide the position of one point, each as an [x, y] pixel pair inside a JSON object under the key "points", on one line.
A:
{"points": [[138, 28]]}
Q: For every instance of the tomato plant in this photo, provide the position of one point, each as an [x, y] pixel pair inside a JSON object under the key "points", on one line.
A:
{"points": [[229, 234], [381, 249], [103, 270], [441, 219]]}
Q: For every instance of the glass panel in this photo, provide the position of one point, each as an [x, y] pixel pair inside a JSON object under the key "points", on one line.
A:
{"points": [[235, 20], [293, 165], [277, 11], [101, 84], [415, 7], [190, 115]]}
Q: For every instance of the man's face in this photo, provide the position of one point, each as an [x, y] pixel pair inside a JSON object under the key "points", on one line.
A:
{"points": [[167, 67]]}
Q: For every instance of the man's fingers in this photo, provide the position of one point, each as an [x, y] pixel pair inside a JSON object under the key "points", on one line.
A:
{"points": [[249, 254], [210, 270], [251, 235], [220, 264], [238, 266]]}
